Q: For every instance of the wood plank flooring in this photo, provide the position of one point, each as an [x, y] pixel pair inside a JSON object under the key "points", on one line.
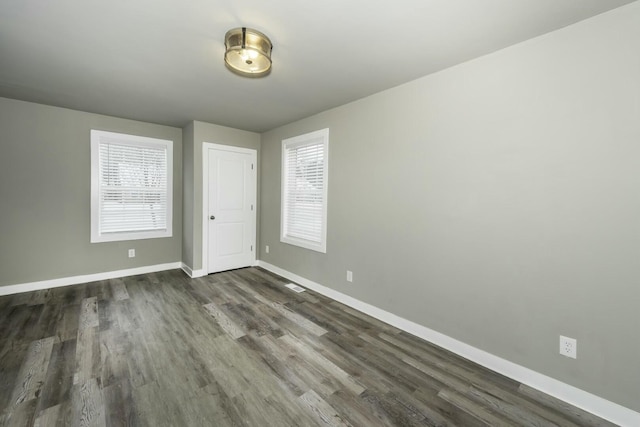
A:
{"points": [[237, 349]]}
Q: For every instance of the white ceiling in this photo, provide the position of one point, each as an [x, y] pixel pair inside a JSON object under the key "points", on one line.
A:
{"points": [[161, 61]]}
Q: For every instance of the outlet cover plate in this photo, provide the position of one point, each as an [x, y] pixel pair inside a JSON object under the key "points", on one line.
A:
{"points": [[132, 253], [568, 347]]}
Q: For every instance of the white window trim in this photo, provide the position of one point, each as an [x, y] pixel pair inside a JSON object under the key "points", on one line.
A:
{"points": [[96, 236], [298, 141]]}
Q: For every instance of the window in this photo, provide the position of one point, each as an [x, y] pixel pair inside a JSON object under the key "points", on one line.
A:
{"points": [[304, 190], [131, 187]]}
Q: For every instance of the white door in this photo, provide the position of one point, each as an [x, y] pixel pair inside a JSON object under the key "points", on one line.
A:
{"points": [[231, 215]]}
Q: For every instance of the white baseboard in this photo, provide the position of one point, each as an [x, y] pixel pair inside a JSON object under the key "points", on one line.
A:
{"points": [[187, 269], [85, 278], [192, 273], [589, 402]]}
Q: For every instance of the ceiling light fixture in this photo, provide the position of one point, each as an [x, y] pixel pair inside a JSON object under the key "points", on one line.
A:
{"points": [[247, 52]]}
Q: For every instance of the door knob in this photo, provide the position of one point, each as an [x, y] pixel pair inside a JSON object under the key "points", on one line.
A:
{"points": [[212, 217]]}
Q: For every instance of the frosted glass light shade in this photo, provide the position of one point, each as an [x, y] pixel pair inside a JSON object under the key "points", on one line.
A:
{"points": [[247, 52]]}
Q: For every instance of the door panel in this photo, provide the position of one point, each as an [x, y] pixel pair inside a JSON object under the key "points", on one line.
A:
{"points": [[230, 238], [232, 189], [231, 194]]}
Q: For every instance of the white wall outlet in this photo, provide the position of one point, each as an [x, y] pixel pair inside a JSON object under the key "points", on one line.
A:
{"points": [[132, 253], [349, 276], [266, 249], [568, 347]]}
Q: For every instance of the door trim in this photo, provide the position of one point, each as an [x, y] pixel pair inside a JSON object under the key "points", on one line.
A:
{"points": [[206, 146]]}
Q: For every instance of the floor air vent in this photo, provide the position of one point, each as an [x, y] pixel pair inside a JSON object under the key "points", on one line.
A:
{"points": [[295, 288]]}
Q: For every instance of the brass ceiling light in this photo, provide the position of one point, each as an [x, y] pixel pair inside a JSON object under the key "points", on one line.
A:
{"points": [[247, 52]]}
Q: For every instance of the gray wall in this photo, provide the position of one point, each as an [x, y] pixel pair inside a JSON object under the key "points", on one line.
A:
{"points": [[496, 202], [205, 132], [45, 189], [187, 186]]}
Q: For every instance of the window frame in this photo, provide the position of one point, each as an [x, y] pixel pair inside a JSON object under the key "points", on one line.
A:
{"points": [[133, 140], [297, 142]]}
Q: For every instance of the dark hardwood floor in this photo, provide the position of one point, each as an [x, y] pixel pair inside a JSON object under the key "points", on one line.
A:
{"points": [[237, 348]]}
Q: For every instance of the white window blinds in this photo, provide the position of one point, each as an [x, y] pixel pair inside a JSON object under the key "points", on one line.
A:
{"points": [[131, 179], [304, 195]]}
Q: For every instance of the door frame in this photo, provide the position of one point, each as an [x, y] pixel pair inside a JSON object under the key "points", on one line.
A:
{"points": [[206, 146]]}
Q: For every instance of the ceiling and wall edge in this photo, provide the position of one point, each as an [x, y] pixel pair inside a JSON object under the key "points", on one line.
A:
{"points": [[621, 414]]}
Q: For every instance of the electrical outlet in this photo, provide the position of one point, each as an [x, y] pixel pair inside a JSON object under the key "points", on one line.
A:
{"points": [[132, 253], [349, 276], [568, 347], [266, 249]]}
